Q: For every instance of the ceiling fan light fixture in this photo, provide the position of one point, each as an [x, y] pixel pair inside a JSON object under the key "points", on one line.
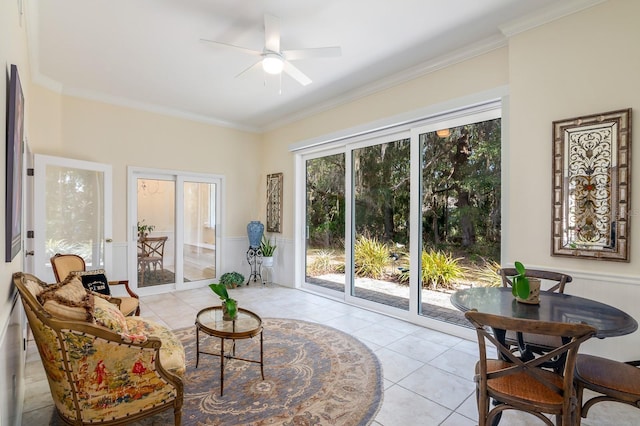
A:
{"points": [[272, 63]]}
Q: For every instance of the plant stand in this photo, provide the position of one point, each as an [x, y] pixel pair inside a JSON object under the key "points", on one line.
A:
{"points": [[254, 258], [268, 275]]}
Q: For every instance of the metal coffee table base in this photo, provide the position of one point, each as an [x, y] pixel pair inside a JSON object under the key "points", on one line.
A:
{"points": [[230, 355]]}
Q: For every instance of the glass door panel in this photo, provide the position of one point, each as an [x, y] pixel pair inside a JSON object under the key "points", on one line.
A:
{"points": [[72, 201], [325, 222], [460, 207], [199, 240], [156, 232], [381, 204]]}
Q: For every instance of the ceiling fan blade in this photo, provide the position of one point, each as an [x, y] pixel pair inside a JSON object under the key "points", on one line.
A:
{"points": [[271, 33], [234, 47], [316, 52], [254, 65], [296, 74]]}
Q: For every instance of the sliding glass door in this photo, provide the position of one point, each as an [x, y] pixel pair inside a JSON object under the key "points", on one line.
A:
{"points": [[199, 229], [156, 237], [177, 229], [324, 222], [380, 185], [460, 194], [398, 220]]}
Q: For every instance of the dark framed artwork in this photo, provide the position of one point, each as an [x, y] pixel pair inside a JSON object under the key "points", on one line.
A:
{"points": [[274, 202], [15, 147], [592, 186]]}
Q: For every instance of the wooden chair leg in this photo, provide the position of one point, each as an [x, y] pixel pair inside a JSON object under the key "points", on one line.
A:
{"points": [[578, 410]]}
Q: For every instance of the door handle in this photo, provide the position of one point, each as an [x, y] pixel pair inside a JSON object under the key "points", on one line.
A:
{"points": [[109, 240], [29, 253]]}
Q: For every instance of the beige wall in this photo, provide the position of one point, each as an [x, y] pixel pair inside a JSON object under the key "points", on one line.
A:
{"points": [[582, 64], [122, 137], [13, 50]]}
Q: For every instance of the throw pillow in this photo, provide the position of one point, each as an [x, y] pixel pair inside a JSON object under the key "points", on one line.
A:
{"points": [[68, 300], [108, 315], [94, 280], [35, 287]]}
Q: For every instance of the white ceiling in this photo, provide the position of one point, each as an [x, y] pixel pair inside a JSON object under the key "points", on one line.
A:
{"points": [[148, 54]]}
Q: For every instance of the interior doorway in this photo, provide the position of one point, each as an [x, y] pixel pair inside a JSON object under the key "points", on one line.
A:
{"points": [[176, 229]]}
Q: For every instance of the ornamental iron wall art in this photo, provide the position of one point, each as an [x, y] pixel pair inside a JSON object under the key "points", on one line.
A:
{"points": [[274, 202], [591, 180]]}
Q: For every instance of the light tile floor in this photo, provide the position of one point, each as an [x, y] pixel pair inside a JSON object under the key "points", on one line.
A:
{"points": [[427, 374]]}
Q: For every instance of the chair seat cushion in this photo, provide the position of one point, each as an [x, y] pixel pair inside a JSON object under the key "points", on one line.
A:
{"points": [[522, 385], [608, 374], [128, 305], [172, 355]]}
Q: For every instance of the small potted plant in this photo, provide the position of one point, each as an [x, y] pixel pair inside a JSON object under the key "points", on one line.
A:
{"points": [[232, 279], [143, 229], [229, 305], [525, 289], [267, 250]]}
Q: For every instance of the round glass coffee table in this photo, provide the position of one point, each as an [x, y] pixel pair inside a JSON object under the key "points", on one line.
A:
{"points": [[246, 326]]}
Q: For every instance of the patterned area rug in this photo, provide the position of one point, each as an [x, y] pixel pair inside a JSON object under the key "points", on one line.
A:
{"points": [[314, 375]]}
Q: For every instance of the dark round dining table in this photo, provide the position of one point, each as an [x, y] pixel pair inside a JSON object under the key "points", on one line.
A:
{"points": [[554, 307]]}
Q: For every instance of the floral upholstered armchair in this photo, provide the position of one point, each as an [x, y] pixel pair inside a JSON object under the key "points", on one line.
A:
{"points": [[103, 368]]}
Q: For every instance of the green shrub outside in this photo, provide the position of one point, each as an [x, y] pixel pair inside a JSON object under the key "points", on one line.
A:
{"points": [[489, 275], [322, 263], [371, 258], [439, 270]]}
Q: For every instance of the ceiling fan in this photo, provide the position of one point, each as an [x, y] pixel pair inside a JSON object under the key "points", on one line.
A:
{"points": [[274, 60]]}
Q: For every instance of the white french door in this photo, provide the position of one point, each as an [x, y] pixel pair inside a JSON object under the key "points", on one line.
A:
{"points": [[71, 212]]}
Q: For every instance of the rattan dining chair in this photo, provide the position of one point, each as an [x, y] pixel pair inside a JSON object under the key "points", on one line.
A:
{"points": [[524, 385], [612, 380], [150, 256], [558, 280]]}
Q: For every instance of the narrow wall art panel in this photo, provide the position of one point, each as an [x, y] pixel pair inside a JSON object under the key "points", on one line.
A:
{"points": [[274, 202]]}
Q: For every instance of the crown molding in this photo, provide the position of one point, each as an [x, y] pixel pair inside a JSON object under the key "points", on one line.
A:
{"points": [[555, 11], [55, 86], [157, 109], [468, 52]]}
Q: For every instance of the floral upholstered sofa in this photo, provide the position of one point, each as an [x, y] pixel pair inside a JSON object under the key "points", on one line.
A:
{"points": [[102, 367]]}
